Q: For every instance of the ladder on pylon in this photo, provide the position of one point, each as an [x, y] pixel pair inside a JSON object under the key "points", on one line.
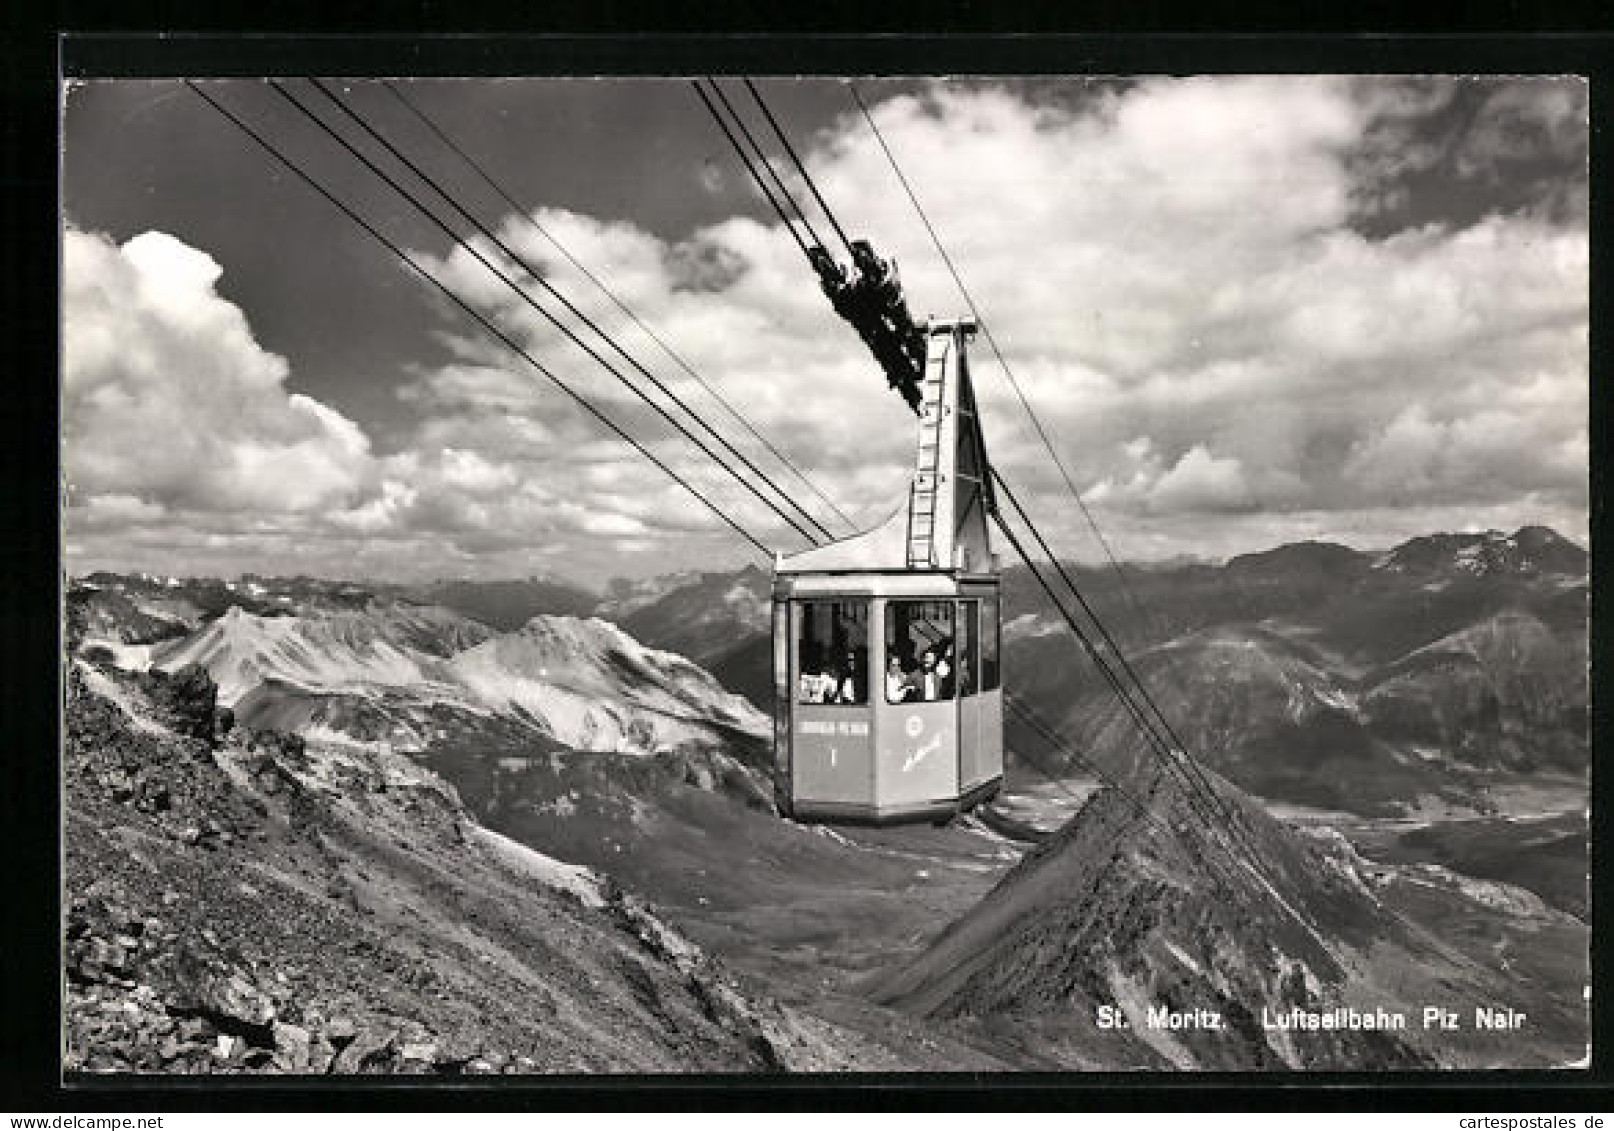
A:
{"points": [[922, 496]]}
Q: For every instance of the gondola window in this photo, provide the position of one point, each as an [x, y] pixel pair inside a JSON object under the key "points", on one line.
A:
{"points": [[832, 657]]}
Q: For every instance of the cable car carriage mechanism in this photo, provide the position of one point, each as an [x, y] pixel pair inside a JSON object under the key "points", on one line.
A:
{"points": [[888, 704]]}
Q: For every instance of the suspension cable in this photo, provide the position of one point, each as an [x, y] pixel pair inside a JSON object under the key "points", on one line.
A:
{"points": [[800, 168], [986, 329], [514, 346], [1059, 745], [1145, 722], [1198, 782], [1156, 744], [528, 299], [627, 311], [1092, 615], [532, 273], [1173, 755], [746, 159], [762, 159]]}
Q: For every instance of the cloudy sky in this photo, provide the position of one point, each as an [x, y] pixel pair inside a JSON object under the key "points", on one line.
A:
{"points": [[1248, 310]]}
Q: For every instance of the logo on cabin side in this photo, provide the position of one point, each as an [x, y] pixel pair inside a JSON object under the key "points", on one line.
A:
{"points": [[914, 726], [922, 753]]}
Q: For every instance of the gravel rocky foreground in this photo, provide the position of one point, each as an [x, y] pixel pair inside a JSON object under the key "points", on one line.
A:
{"points": [[240, 902]]}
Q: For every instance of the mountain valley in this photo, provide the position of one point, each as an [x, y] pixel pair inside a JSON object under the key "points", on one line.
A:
{"points": [[578, 804]]}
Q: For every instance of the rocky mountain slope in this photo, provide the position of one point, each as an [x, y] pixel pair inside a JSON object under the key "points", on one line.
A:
{"points": [[111, 616], [1420, 714], [1284, 717], [1197, 953], [243, 901], [798, 904], [1287, 711], [251, 906], [421, 676], [718, 620]]}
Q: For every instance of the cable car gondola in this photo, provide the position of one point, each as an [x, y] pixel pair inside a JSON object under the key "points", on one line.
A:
{"points": [[887, 680]]}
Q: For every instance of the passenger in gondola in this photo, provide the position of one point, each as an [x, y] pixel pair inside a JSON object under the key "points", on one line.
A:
{"points": [[817, 687], [934, 678], [899, 682], [849, 684], [944, 661]]}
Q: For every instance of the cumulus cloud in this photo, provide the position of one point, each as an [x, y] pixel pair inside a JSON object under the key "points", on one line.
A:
{"points": [[1174, 268], [168, 398], [1200, 481], [1471, 458], [179, 434], [1178, 261]]}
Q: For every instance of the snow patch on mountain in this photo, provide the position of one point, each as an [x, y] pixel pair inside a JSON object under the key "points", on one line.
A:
{"points": [[390, 672], [1028, 625], [133, 657], [599, 689], [1529, 550], [582, 882], [100, 685], [340, 653]]}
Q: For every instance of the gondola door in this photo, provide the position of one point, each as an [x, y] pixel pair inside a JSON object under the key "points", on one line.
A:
{"points": [[832, 748], [918, 734]]}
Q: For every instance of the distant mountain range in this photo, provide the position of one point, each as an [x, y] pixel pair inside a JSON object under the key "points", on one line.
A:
{"points": [[362, 764], [1323, 676], [1312, 673], [507, 605], [423, 677]]}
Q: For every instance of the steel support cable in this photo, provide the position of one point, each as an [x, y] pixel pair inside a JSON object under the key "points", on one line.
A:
{"points": [[1025, 756], [831, 276], [1061, 745], [1189, 766], [762, 159], [745, 159], [1014, 709], [1179, 835], [800, 168], [556, 294], [627, 311], [1157, 746], [1156, 736], [1054, 739], [986, 329], [1161, 824], [530, 301], [1184, 769], [1148, 815], [1092, 614], [1151, 736], [1058, 745], [514, 346]]}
